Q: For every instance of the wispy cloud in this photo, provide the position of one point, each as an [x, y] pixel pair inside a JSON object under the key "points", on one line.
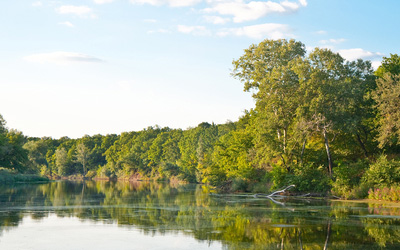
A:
{"points": [[253, 10], [358, 53], [103, 1], [81, 11], [68, 24], [172, 3], [216, 19], [37, 4], [321, 32], [267, 30], [332, 41], [194, 30], [62, 57]]}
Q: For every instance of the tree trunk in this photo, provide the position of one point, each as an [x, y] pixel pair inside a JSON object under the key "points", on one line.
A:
{"points": [[362, 145], [328, 152], [284, 140], [302, 151]]}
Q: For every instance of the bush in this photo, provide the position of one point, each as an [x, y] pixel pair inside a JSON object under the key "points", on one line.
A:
{"points": [[311, 178], [91, 173], [383, 173], [278, 176], [238, 185], [386, 194], [347, 180]]}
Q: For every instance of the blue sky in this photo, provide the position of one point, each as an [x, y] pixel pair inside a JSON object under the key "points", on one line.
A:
{"points": [[76, 67]]}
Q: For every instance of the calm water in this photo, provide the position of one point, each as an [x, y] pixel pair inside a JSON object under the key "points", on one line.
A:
{"points": [[122, 215]]}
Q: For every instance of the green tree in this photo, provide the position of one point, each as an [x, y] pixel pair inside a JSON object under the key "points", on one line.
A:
{"points": [[389, 65], [387, 97], [37, 150], [61, 161], [12, 153], [82, 156], [266, 69]]}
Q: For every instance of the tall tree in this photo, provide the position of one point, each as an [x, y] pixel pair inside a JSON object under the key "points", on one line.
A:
{"points": [[61, 161], [266, 69], [82, 156], [387, 97], [389, 65]]}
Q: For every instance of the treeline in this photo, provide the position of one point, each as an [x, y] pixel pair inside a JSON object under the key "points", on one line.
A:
{"points": [[320, 122]]}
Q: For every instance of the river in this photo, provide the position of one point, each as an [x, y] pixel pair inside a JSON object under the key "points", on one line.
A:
{"points": [[143, 215]]}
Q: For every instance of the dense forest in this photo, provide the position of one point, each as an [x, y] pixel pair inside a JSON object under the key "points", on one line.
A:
{"points": [[320, 122]]}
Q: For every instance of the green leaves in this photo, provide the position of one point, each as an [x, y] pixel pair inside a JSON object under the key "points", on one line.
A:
{"points": [[387, 97]]}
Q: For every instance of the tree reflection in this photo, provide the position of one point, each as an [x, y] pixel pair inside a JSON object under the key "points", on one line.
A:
{"points": [[238, 222]]}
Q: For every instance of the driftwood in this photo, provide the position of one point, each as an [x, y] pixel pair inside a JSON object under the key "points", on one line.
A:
{"points": [[271, 196], [278, 192]]}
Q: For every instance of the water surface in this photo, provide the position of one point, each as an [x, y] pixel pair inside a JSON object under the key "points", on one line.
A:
{"points": [[141, 215]]}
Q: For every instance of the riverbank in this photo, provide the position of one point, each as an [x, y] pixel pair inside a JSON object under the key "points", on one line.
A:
{"points": [[7, 177]]}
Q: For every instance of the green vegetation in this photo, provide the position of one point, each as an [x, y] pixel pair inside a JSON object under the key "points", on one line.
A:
{"points": [[7, 176], [320, 122]]}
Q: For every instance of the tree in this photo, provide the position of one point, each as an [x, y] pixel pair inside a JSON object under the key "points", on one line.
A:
{"points": [[300, 97], [12, 153], [82, 156], [334, 96], [389, 65], [387, 97], [266, 68], [61, 161], [37, 150]]}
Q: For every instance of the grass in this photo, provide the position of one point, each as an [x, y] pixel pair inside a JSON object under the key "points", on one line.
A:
{"points": [[8, 176]]}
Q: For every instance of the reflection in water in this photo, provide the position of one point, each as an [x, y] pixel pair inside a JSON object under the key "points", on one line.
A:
{"points": [[214, 221]]}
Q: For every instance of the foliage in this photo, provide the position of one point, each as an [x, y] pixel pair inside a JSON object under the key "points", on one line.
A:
{"points": [[389, 65], [382, 173], [9, 176], [387, 97], [347, 179], [310, 178], [317, 123], [385, 193]]}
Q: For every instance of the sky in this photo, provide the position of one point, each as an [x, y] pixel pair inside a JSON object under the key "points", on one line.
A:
{"points": [[85, 67]]}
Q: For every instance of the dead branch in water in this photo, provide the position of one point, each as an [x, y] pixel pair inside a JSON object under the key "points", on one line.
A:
{"points": [[281, 191]]}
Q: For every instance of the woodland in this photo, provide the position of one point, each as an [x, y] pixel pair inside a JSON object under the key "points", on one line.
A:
{"points": [[321, 123]]}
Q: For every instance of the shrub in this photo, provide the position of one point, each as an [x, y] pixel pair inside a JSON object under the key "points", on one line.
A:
{"points": [[238, 185], [347, 180], [91, 174], [311, 178], [385, 193], [278, 176], [383, 173]]}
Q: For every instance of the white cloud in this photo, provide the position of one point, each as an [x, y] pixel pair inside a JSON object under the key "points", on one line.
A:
{"points": [[253, 10], [267, 30], [321, 32], [194, 30], [68, 24], [216, 19], [103, 1], [358, 53], [376, 64], [332, 41], [37, 4], [62, 57], [303, 3], [172, 3], [81, 11]]}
